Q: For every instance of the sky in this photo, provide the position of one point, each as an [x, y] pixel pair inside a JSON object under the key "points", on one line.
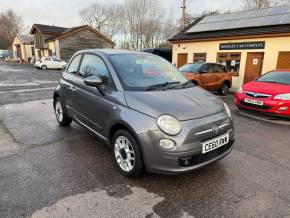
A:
{"points": [[66, 12]]}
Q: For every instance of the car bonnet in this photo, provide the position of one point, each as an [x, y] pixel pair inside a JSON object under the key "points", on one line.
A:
{"points": [[184, 104]]}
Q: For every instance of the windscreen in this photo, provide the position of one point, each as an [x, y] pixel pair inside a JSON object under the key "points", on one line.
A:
{"points": [[276, 77], [139, 72]]}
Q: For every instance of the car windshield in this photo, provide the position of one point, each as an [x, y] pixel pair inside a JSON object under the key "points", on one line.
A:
{"points": [[145, 72], [190, 68], [276, 77]]}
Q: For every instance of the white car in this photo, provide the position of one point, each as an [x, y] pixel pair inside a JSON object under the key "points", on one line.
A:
{"points": [[50, 63]]}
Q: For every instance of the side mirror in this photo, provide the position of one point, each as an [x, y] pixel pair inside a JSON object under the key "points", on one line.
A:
{"points": [[93, 81]]}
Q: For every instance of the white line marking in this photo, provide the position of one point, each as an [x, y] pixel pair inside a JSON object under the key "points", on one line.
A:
{"points": [[27, 90]]}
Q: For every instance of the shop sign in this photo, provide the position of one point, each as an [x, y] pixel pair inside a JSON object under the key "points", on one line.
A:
{"points": [[242, 45]]}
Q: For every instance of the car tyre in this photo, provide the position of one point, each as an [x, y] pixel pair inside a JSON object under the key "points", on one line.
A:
{"points": [[44, 67], [224, 89], [60, 113], [127, 154]]}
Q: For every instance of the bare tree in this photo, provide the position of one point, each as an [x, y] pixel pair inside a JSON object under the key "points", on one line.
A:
{"points": [[104, 18], [144, 21], [10, 25], [94, 15], [135, 23], [259, 4]]}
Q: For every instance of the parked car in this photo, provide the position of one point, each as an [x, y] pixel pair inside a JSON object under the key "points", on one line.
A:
{"points": [[210, 76], [50, 63], [4, 53], [270, 93], [145, 109]]}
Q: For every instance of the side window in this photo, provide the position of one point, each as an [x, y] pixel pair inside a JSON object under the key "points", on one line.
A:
{"points": [[74, 64], [217, 68], [93, 65], [206, 68], [225, 70], [54, 59]]}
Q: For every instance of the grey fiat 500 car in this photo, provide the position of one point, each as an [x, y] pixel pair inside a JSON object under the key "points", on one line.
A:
{"points": [[142, 106]]}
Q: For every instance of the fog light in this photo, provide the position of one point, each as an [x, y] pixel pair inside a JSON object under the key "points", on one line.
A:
{"points": [[283, 108], [167, 144]]}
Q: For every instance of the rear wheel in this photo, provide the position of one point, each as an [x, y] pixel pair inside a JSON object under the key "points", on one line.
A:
{"points": [[127, 154], [44, 67], [60, 113], [224, 89]]}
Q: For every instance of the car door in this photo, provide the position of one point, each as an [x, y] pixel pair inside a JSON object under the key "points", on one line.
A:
{"points": [[48, 62], [206, 75], [219, 75], [91, 105], [56, 63], [68, 82]]}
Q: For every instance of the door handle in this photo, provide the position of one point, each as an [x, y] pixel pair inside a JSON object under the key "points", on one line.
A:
{"points": [[73, 89]]}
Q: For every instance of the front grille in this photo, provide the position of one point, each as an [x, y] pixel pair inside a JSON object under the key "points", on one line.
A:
{"points": [[260, 107], [201, 158], [257, 95]]}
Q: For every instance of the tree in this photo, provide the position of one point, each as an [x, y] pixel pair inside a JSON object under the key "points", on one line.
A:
{"points": [[259, 4], [106, 19], [10, 25], [135, 23]]}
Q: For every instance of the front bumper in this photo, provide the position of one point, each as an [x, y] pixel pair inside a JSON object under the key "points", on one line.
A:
{"points": [[271, 106], [188, 146]]}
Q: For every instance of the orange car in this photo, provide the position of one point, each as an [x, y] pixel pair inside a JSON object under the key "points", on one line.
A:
{"points": [[209, 76]]}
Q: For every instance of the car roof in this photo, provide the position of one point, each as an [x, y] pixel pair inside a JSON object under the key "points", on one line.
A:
{"points": [[111, 51], [206, 63], [281, 70]]}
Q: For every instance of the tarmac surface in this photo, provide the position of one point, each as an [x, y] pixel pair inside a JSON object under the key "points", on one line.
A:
{"points": [[49, 171]]}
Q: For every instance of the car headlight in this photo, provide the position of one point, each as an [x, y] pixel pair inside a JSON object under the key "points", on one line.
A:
{"points": [[169, 124], [241, 90], [282, 97], [228, 110]]}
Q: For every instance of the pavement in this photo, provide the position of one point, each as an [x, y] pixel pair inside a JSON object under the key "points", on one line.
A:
{"points": [[49, 171]]}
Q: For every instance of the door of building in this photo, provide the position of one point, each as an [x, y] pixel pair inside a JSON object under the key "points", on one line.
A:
{"points": [[50, 53], [283, 60], [254, 66], [39, 53], [18, 51], [181, 59]]}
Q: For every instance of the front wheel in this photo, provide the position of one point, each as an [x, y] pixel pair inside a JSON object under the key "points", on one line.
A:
{"points": [[224, 89], [44, 67], [61, 114], [127, 154]]}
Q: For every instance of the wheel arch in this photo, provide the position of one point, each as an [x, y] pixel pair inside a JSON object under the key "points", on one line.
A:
{"points": [[118, 125], [228, 82]]}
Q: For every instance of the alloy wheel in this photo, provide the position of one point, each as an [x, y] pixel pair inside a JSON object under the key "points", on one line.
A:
{"points": [[225, 89], [124, 153], [58, 111]]}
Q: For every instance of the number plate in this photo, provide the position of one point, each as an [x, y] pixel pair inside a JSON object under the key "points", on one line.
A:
{"points": [[252, 101], [215, 143]]}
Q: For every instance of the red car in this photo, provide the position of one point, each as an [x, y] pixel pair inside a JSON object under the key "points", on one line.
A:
{"points": [[269, 93]]}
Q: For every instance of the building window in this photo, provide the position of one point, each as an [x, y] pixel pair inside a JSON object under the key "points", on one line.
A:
{"points": [[231, 61], [199, 57], [32, 51]]}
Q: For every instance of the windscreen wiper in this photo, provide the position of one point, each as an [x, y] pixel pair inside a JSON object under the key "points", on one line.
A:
{"points": [[188, 83], [161, 85]]}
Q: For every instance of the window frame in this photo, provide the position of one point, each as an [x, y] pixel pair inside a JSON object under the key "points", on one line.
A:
{"points": [[228, 58], [199, 53], [110, 75], [210, 68], [221, 70], [69, 64]]}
